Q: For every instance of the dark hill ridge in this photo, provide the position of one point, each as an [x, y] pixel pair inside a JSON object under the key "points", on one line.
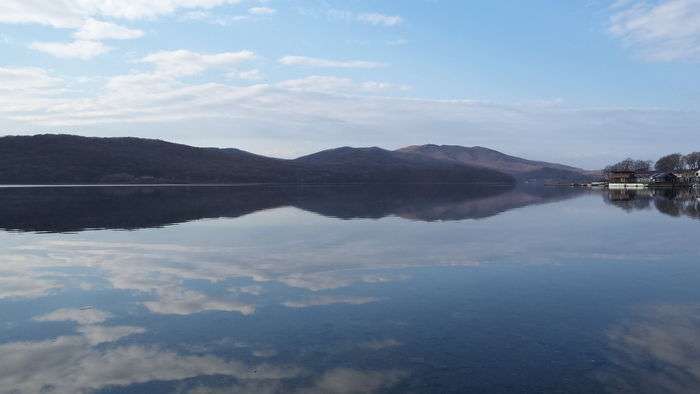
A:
{"points": [[56, 159], [72, 159], [520, 168], [398, 166]]}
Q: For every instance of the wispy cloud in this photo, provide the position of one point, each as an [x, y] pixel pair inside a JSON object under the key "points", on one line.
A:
{"points": [[79, 49], [668, 30], [291, 60], [94, 30], [247, 75], [372, 18], [310, 106], [184, 62], [330, 84], [380, 19], [72, 13], [261, 11]]}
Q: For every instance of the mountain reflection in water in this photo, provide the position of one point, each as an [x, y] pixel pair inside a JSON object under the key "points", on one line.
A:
{"points": [[429, 289], [80, 208]]}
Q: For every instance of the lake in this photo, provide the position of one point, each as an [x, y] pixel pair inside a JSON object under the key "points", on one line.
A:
{"points": [[349, 289]]}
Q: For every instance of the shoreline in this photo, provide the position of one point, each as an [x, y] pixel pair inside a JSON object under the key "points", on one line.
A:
{"points": [[97, 185]]}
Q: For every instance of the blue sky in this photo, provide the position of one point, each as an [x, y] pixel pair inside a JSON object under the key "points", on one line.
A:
{"points": [[583, 82]]}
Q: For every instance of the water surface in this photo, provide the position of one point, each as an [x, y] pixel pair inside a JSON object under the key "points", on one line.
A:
{"points": [[348, 289]]}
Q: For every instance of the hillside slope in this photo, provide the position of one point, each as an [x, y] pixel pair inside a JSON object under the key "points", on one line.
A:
{"points": [[376, 164], [520, 168], [74, 159]]}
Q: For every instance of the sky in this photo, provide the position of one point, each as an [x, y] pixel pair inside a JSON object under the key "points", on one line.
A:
{"points": [[583, 82]]}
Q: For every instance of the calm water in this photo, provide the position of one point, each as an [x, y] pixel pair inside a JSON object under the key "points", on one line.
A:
{"points": [[348, 289]]}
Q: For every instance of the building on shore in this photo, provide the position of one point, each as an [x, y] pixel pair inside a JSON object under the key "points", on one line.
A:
{"points": [[665, 179], [688, 176], [623, 179]]}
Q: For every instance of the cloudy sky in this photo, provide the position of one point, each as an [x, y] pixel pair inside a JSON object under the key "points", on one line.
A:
{"points": [[582, 82]]}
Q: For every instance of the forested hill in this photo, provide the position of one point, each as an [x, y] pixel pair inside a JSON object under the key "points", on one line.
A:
{"points": [[521, 169], [69, 159]]}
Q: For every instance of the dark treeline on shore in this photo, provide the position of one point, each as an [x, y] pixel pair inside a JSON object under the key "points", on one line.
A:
{"points": [[668, 163]]}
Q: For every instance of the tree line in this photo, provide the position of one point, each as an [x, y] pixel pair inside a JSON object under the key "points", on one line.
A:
{"points": [[668, 163]]}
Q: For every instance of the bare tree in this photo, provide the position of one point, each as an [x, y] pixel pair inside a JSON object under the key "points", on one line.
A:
{"points": [[642, 165], [630, 165], [692, 160], [670, 163]]}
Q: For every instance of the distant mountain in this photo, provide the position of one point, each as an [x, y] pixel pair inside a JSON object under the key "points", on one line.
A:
{"points": [[54, 159], [521, 169], [73, 159], [366, 164]]}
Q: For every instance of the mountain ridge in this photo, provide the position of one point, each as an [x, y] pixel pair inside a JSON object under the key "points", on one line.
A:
{"points": [[522, 169], [70, 159]]}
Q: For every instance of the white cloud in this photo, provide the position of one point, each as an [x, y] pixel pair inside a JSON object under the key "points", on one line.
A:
{"points": [[261, 11], [373, 18], [380, 19], [80, 316], [77, 49], [290, 60], [73, 13], [94, 30], [330, 84], [668, 30], [397, 42], [309, 108], [183, 62], [247, 75], [155, 98], [27, 78], [211, 18], [197, 15]]}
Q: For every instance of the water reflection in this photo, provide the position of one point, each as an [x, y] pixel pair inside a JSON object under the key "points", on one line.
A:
{"points": [[280, 295], [77, 209], [72, 364], [671, 202], [656, 351]]}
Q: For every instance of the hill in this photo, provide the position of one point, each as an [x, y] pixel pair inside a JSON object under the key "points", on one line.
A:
{"points": [[366, 164], [521, 169], [72, 159], [55, 159]]}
